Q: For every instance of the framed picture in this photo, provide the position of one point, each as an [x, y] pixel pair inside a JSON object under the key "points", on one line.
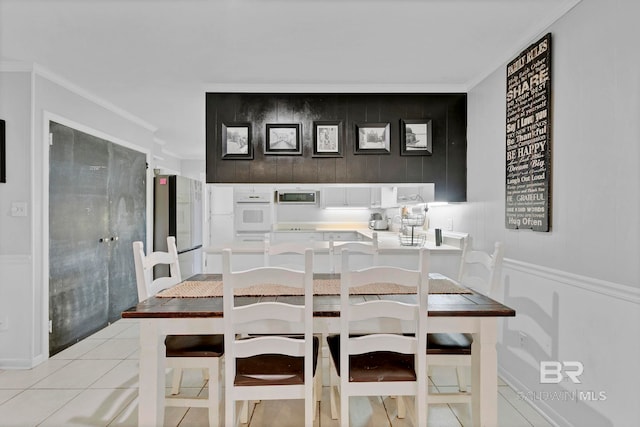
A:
{"points": [[372, 138], [415, 137], [327, 139], [283, 139], [236, 141], [3, 153]]}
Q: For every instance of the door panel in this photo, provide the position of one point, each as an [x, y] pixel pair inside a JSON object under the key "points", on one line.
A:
{"points": [[78, 219], [97, 193], [127, 219]]}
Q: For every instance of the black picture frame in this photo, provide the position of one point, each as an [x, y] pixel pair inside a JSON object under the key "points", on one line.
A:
{"points": [[283, 139], [236, 141], [416, 137], [3, 153], [328, 138], [373, 138]]}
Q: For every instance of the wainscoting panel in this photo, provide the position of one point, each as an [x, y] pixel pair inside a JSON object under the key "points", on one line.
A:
{"points": [[563, 317], [15, 320]]}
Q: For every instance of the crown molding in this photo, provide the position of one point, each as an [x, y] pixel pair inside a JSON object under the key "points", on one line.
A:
{"points": [[525, 41], [334, 88], [47, 74]]}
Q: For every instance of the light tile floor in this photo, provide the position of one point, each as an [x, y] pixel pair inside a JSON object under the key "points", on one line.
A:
{"points": [[95, 383]]}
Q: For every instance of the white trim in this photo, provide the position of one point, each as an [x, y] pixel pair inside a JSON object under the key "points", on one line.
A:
{"points": [[171, 153], [525, 41], [15, 67], [47, 117], [44, 353], [334, 88], [72, 87], [15, 259], [20, 364], [541, 407], [603, 287], [91, 131]]}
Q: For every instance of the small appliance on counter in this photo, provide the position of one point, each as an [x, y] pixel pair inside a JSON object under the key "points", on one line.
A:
{"points": [[376, 222]]}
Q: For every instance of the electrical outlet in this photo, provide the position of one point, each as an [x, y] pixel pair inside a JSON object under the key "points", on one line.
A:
{"points": [[18, 208], [523, 339], [450, 224]]}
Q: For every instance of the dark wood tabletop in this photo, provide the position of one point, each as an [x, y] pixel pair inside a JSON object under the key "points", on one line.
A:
{"points": [[468, 305]]}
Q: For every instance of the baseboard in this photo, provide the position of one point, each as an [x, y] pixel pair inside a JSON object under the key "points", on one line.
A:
{"points": [[545, 411]]}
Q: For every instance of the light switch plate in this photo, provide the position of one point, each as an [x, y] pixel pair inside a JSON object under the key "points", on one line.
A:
{"points": [[18, 208]]}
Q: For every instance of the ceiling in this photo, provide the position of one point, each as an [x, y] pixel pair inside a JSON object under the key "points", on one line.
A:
{"points": [[155, 59]]}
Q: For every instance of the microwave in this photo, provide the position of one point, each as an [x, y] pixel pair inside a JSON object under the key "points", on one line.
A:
{"points": [[298, 197]]}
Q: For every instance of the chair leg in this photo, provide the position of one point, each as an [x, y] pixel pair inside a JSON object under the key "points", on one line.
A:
{"points": [[333, 394], [318, 378], [317, 387], [333, 389], [462, 378], [402, 407], [214, 395], [244, 412], [177, 380], [344, 408], [229, 406]]}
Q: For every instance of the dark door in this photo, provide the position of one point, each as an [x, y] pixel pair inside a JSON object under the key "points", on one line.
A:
{"points": [[127, 224], [97, 207]]}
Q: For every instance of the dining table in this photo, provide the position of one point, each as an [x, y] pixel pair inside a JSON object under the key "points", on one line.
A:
{"points": [[193, 311]]}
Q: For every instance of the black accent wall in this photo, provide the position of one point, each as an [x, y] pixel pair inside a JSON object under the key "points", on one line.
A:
{"points": [[446, 167]]}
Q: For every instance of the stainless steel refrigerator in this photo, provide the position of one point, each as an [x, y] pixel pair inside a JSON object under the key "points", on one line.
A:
{"points": [[178, 212]]}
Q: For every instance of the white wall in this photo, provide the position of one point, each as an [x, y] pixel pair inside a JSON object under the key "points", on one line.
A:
{"points": [[16, 291], [15, 110], [29, 95], [576, 289]]}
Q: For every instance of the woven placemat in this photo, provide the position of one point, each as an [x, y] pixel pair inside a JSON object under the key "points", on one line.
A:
{"points": [[204, 289]]}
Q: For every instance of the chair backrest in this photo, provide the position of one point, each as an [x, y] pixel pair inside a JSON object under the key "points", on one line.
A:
{"points": [[147, 285], [368, 248], [481, 271], [267, 317], [284, 248], [396, 326]]}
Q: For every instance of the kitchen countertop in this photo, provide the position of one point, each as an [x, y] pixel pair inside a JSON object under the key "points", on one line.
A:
{"points": [[388, 241]]}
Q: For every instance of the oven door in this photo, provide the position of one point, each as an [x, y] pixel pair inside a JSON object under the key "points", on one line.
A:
{"points": [[252, 217]]}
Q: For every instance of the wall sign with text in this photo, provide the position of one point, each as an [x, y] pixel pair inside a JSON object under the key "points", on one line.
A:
{"points": [[528, 163]]}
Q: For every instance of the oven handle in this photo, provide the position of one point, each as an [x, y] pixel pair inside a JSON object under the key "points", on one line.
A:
{"points": [[253, 202]]}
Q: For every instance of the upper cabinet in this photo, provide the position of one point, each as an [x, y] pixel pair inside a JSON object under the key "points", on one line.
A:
{"points": [[346, 197], [415, 194], [376, 196]]}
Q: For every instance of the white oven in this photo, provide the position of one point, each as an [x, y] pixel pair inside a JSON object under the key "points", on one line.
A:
{"points": [[253, 213]]}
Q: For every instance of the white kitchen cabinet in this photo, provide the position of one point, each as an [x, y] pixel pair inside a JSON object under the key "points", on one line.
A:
{"points": [[384, 197], [341, 236], [297, 236], [347, 197], [415, 194]]}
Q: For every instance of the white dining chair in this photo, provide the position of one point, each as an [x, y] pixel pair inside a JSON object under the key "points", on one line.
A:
{"points": [[182, 351], [260, 364], [479, 271], [387, 357], [274, 253], [369, 248]]}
